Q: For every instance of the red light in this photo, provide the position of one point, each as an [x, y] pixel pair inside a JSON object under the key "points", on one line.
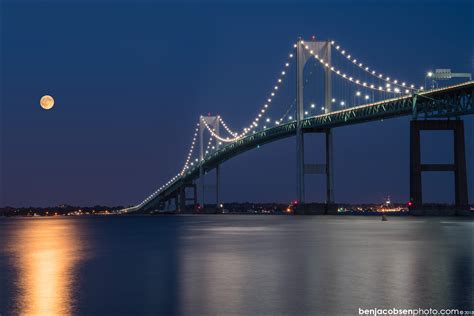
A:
{"points": [[410, 203], [295, 202]]}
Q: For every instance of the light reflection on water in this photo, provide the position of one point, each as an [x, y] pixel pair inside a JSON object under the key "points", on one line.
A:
{"points": [[220, 265], [45, 253]]}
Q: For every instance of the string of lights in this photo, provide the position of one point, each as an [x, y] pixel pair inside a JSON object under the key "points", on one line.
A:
{"points": [[191, 150], [359, 82], [235, 134], [370, 71], [261, 112]]}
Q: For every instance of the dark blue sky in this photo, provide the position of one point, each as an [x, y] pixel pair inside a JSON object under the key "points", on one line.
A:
{"points": [[131, 79]]}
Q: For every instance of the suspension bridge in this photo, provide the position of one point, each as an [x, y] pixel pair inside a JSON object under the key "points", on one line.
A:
{"points": [[323, 86]]}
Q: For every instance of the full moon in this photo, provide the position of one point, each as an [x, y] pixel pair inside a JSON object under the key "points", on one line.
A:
{"points": [[47, 102]]}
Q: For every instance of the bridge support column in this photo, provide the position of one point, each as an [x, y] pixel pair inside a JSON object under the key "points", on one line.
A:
{"points": [[176, 202], [217, 185], [182, 199], [458, 167], [328, 109], [300, 62], [329, 169]]}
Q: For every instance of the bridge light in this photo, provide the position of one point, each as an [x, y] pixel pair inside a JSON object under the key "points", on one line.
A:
{"points": [[294, 45], [332, 42], [268, 119], [407, 91], [395, 81], [290, 117], [337, 47], [380, 76], [366, 68], [276, 87], [358, 93], [333, 100], [322, 108], [396, 90], [373, 72], [343, 52], [387, 85], [264, 127], [412, 86], [343, 103], [265, 106], [421, 87], [272, 94], [430, 74], [372, 86], [305, 112], [313, 105], [283, 73], [349, 56], [287, 65], [291, 55], [366, 97], [279, 80], [360, 65], [403, 83], [277, 123]]}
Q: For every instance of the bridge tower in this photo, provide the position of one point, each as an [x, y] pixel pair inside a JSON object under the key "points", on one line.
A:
{"points": [[458, 166], [322, 48], [214, 123]]}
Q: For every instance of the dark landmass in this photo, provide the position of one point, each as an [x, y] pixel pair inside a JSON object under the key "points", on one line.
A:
{"points": [[60, 210], [230, 208]]}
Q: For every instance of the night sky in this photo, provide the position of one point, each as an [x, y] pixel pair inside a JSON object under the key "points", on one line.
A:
{"points": [[131, 79]]}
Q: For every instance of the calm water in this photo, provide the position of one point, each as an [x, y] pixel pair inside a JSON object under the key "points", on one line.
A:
{"points": [[221, 265]]}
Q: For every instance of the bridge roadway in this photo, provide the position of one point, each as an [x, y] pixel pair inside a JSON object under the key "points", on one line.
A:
{"points": [[447, 102]]}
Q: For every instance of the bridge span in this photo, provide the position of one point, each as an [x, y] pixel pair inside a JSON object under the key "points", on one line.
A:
{"points": [[433, 109]]}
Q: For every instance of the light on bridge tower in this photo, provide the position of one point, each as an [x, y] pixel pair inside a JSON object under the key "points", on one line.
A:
{"points": [[214, 123], [303, 49]]}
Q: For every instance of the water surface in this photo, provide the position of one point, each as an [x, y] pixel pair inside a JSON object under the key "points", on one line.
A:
{"points": [[224, 264]]}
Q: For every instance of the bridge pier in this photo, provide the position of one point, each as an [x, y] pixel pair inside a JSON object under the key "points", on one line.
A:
{"points": [[217, 185], [458, 167], [183, 199]]}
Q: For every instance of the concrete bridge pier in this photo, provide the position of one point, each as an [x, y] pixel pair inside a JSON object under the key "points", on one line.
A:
{"points": [[183, 199], [458, 167]]}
